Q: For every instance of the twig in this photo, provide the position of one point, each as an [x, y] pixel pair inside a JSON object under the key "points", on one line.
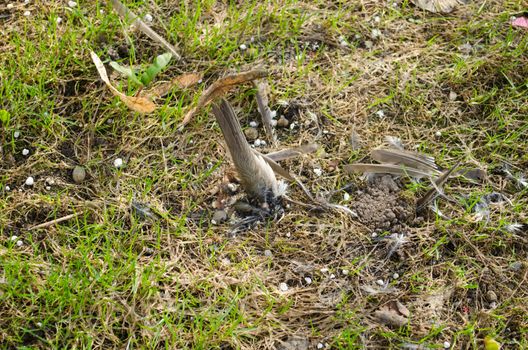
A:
{"points": [[56, 221]]}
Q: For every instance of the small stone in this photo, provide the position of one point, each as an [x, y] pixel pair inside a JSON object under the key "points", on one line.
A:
{"points": [[48, 188], [78, 174], [318, 172], [283, 122], [25, 152], [380, 113], [491, 296], [395, 276], [251, 134], [30, 181], [253, 124], [324, 270], [369, 44], [27, 13], [232, 187], [447, 345], [118, 162], [263, 142], [39, 324], [7, 188], [438, 134], [10, 6], [344, 272], [293, 125], [268, 253], [257, 143], [308, 280], [346, 196], [219, 216], [332, 276], [357, 36], [19, 243], [380, 282], [283, 287], [377, 19], [13, 238], [288, 234], [16, 134], [452, 95], [516, 266], [72, 4], [148, 18], [243, 47], [58, 20], [320, 346]]}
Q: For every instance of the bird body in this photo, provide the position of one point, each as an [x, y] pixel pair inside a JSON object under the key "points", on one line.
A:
{"points": [[256, 175]]}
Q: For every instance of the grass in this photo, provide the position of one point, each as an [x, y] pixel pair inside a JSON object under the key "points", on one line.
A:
{"points": [[109, 279]]}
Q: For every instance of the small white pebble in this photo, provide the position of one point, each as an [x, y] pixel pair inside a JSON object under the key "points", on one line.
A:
{"points": [[58, 20], [101, 11], [374, 234], [13, 238], [213, 221], [332, 276], [293, 125], [357, 36], [10, 6], [324, 270], [268, 253], [16, 134], [39, 324], [377, 19], [369, 44], [380, 113], [19, 243], [148, 18], [30, 181], [72, 4], [447, 345], [346, 196], [27, 13], [243, 47], [438, 133], [343, 43], [308, 280], [318, 171], [232, 187], [253, 124], [288, 234], [263, 142], [452, 95], [257, 143], [26, 1], [25, 152], [376, 33], [7, 188], [395, 275], [283, 286], [320, 346], [344, 272], [380, 282], [273, 114], [19, 190], [48, 188], [118, 162]]}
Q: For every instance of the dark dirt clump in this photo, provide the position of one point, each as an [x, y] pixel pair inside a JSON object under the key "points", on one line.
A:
{"points": [[381, 207]]}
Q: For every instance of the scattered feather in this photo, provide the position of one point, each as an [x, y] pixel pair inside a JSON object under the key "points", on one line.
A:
{"points": [[443, 6], [386, 169], [262, 103], [395, 142], [293, 152], [408, 158]]}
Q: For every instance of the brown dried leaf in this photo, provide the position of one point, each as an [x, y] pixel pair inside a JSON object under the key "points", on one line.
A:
{"points": [[443, 6], [220, 87], [183, 81], [390, 317], [138, 104]]}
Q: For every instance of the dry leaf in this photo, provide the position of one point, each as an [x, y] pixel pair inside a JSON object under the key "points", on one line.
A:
{"points": [[390, 317], [265, 112], [443, 6], [220, 87], [124, 12], [183, 81], [138, 104]]}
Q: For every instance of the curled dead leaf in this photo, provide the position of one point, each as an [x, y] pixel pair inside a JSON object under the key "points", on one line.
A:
{"points": [[138, 104], [183, 81], [390, 317], [220, 87]]}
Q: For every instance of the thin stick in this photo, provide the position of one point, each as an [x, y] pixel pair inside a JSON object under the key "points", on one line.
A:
{"points": [[56, 221]]}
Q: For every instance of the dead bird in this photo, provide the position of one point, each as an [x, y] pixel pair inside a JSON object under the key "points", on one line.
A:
{"points": [[256, 174]]}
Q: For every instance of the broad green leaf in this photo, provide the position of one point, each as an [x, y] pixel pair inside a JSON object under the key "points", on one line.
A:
{"points": [[160, 62], [5, 117], [126, 71]]}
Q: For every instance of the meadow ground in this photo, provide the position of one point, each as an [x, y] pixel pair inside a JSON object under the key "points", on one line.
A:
{"points": [[346, 74]]}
